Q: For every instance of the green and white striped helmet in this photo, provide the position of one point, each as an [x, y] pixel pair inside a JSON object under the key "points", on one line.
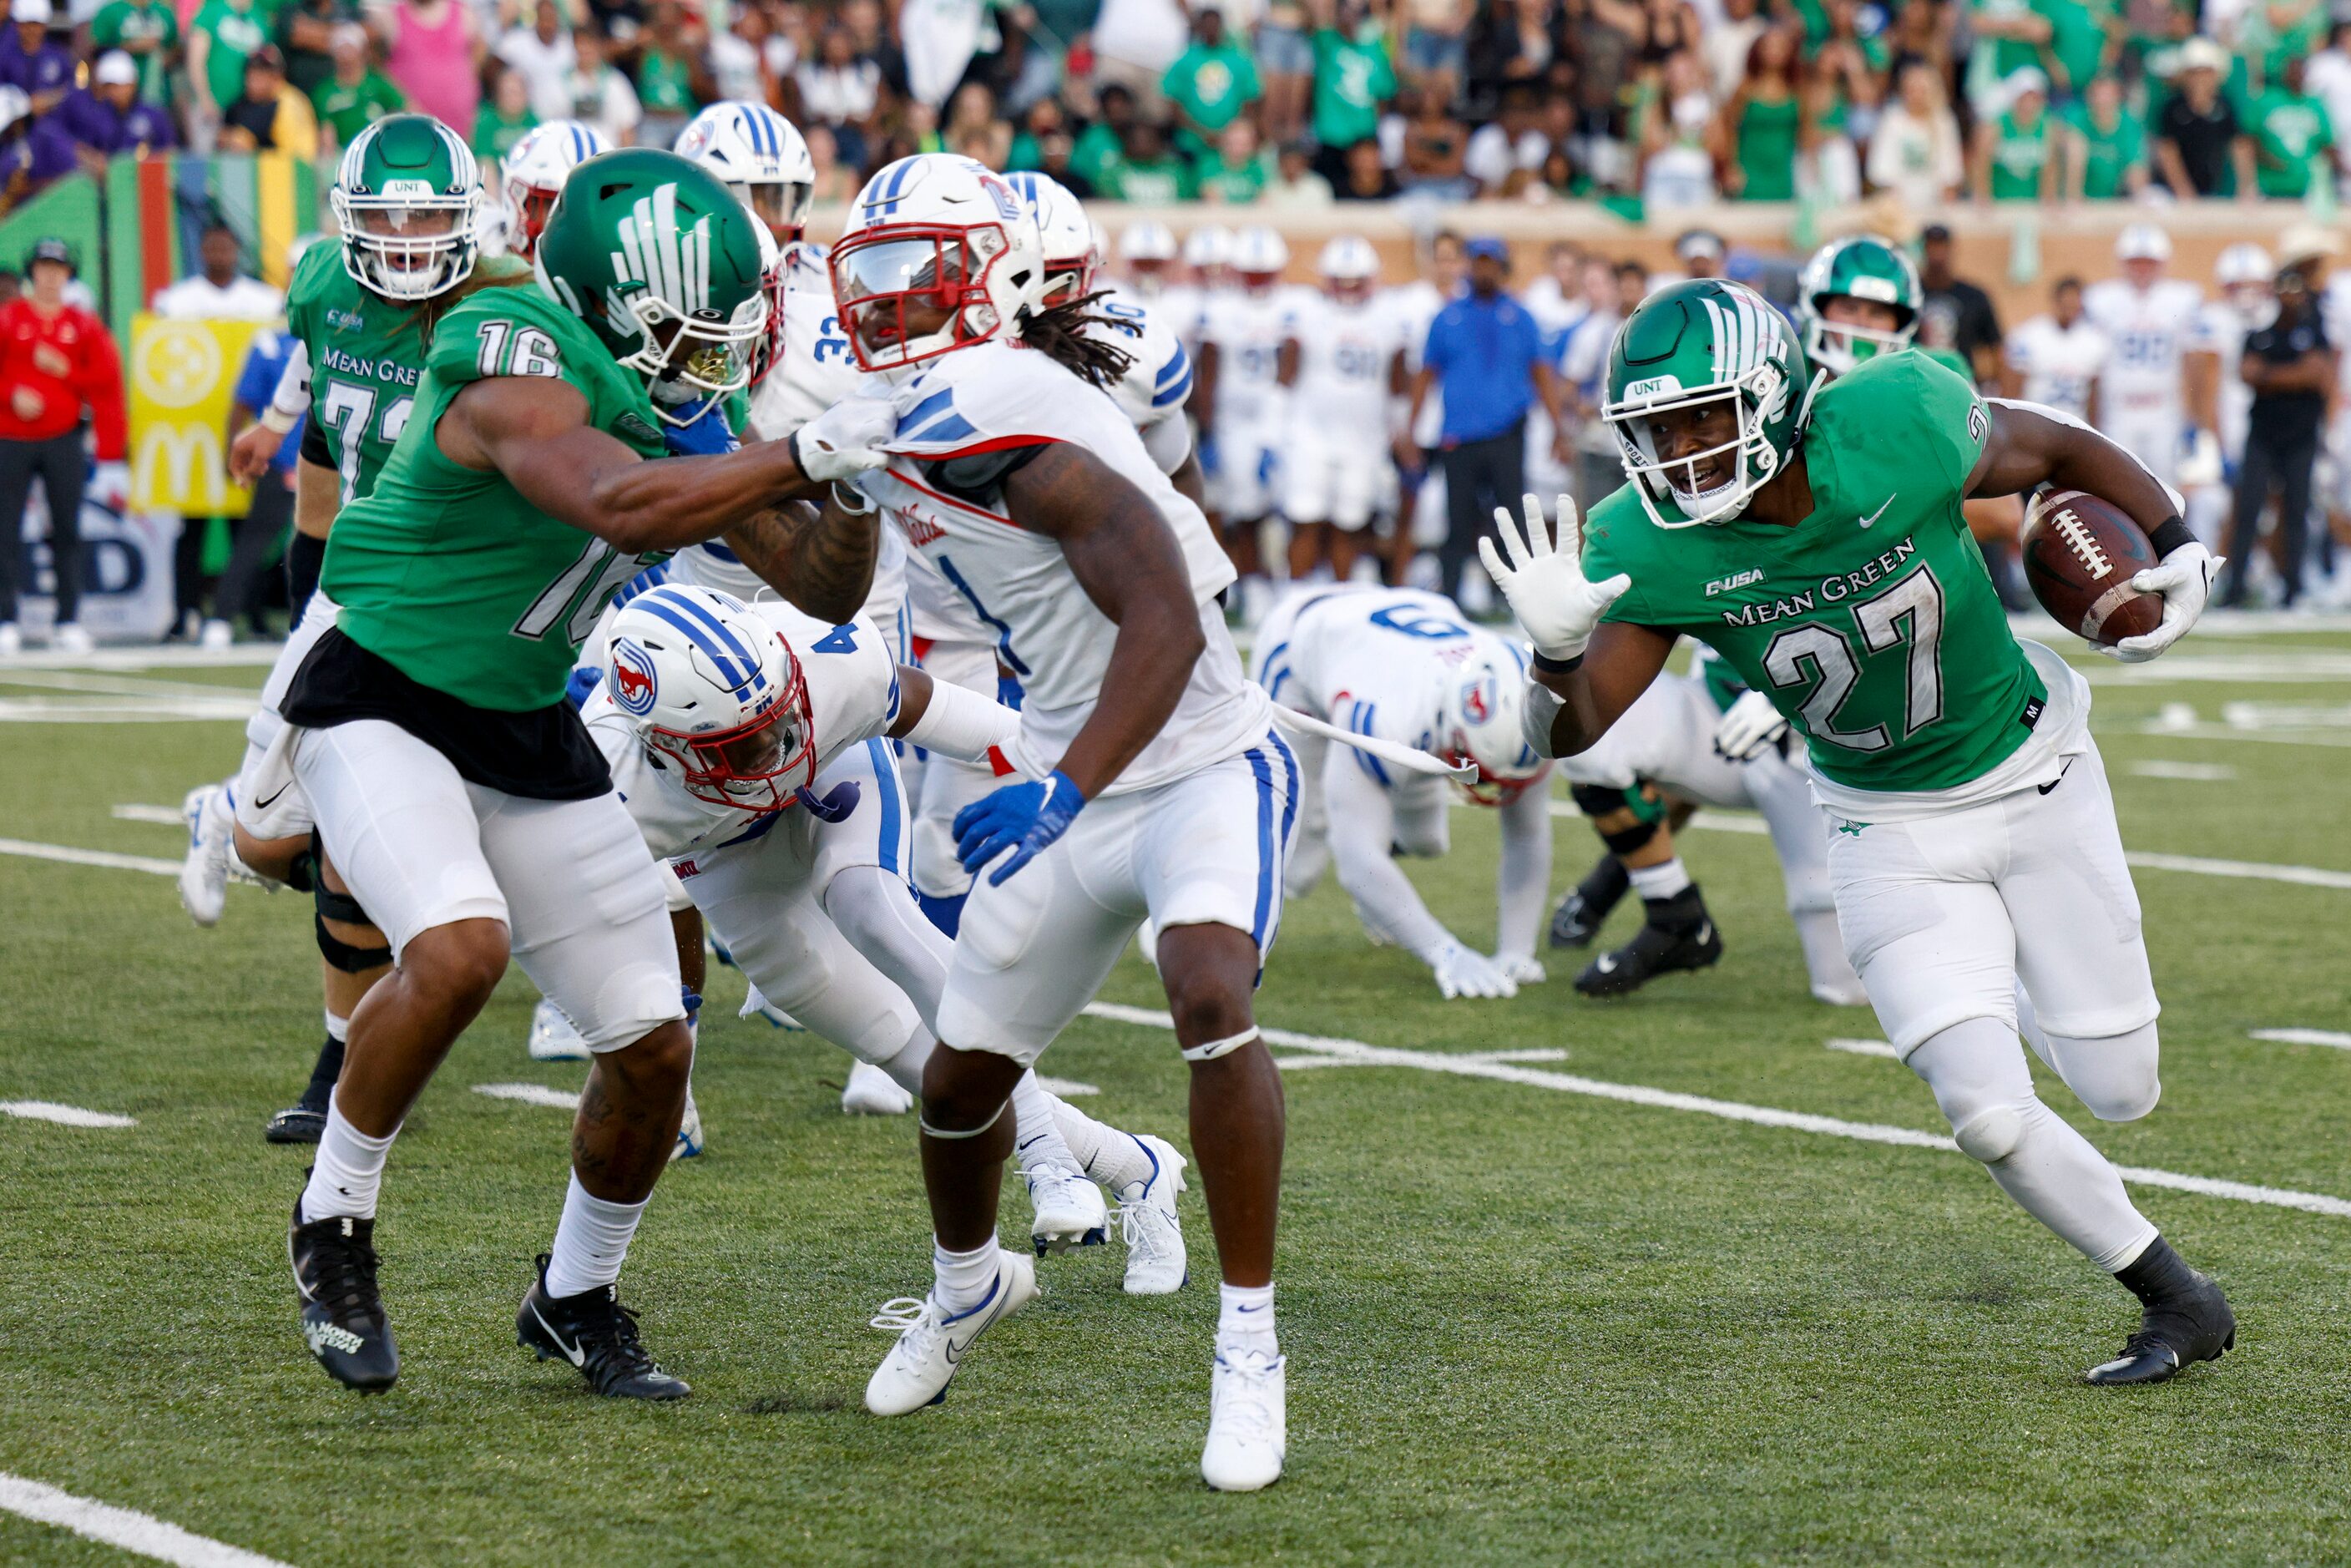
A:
{"points": [[666, 266], [1701, 342], [405, 197], [1862, 266]]}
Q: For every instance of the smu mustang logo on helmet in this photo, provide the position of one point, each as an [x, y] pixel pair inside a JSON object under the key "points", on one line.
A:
{"points": [[632, 678], [1477, 700]]}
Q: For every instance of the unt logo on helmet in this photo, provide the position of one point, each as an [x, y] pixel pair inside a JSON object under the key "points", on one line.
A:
{"points": [[632, 678], [1651, 386]]}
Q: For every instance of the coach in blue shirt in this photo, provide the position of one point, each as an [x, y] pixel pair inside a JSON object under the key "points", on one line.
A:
{"points": [[1485, 354]]}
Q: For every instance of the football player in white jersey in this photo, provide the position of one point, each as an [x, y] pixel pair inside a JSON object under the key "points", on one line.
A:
{"points": [[1146, 253], [1423, 519], [2159, 383], [2056, 359], [2247, 302], [1153, 783], [1407, 666], [1247, 365], [1208, 276], [531, 175], [726, 726], [1338, 467]]}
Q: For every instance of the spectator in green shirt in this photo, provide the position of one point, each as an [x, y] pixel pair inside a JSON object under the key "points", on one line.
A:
{"points": [[357, 95], [1352, 76], [223, 35], [2276, 31], [2105, 148], [1236, 172], [665, 78], [1099, 144], [504, 117], [149, 32], [1211, 83], [1144, 170], [2292, 135], [2077, 49], [2014, 158]]}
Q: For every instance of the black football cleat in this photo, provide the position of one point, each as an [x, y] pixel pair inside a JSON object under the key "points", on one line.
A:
{"points": [[300, 1122], [1678, 934], [1588, 905], [2184, 1319], [342, 1313], [597, 1335]]}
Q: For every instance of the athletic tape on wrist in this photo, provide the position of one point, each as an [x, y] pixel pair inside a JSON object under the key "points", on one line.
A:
{"points": [[1225, 1047], [277, 421], [954, 1133], [2169, 535], [1547, 665]]}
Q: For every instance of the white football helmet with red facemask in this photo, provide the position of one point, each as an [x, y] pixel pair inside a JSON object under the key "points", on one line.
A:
{"points": [[714, 692], [939, 254], [1482, 718], [532, 173]]}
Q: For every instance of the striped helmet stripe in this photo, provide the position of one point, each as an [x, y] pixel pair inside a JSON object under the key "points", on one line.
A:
{"points": [[720, 630], [662, 608]]}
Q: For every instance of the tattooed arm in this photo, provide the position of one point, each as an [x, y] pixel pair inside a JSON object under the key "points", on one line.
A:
{"points": [[819, 560]]}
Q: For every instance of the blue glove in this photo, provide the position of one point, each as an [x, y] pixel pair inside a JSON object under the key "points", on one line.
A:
{"points": [[706, 437], [1022, 818], [585, 679]]}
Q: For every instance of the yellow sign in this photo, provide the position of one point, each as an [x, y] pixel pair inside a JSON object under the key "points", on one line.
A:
{"points": [[182, 381]]}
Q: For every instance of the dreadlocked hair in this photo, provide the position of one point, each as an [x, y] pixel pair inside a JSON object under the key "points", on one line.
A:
{"points": [[1058, 331]]}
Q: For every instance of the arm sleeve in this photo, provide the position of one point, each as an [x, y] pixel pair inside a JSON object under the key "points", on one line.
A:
{"points": [[962, 725], [1169, 441], [102, 390], [1361, 824], [292, 395], [1522, 880]]}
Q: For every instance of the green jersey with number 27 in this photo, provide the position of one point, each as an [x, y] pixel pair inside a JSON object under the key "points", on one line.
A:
{"points": [[446, 571], [1871, 625]]}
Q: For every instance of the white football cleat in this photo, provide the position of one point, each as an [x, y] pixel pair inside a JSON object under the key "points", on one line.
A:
{"points": [[553, 1037], [1248, 1432], [871, 1092], [1069, 1210], [216, 637], [12, 641], [70, 639], [1155, 1260], [212, 839], [933, 1343], [689, 1131]]}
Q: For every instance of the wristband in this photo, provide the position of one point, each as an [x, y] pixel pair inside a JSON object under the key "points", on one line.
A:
{"points": [[1547, 665], [2169, 535], [277, 421]]}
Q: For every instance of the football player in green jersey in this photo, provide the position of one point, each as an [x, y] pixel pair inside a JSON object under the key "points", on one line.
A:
{"points": [[453, 785], [1810, 533], [406, 194]]}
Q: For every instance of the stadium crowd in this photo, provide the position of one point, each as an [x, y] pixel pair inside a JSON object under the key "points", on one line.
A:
{"points": [[1648, 104]]}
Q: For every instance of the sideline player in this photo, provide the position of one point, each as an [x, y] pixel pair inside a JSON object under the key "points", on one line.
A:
{"points": [[2247, 302], [356, 311], [1246, 372], [1339, 466], [531, 175], [2055, 358], [453, 784], [2158, 385], [1975, 857], [1154, 784], [1406, 666], [727, 728]]}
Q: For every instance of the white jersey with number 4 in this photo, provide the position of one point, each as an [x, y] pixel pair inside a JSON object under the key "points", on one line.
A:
{"points": [[853, 688], [2059, 364], [2152, 332], [958, 417]]}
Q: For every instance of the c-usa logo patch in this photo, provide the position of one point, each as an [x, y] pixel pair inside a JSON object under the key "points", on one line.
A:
{"points": [[632, 678]]}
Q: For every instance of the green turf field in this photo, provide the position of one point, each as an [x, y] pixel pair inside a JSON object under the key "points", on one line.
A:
{"points": [[1526, 1323]]}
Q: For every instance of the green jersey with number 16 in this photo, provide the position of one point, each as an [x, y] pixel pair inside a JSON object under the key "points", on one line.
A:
{"points": [[447, 573], [1871, 625]]}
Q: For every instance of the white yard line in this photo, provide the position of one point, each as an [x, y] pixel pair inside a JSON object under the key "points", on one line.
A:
{"points": [[1366, 1055], [63, 1116], [2326, 1037], [127, 710], [2260, 871], [2189, 772], [152, 656], [161, 816], [532, 1094], [127, 1528], [1067, 1088], [73, 856], [1865, 1047]]}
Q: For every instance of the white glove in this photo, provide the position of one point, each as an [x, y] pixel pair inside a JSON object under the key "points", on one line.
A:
{"points": [[2185, 580], [1523, 968], [1748, 725], [1462, 972], [109, 485], [1546, 586], [845, 439]]}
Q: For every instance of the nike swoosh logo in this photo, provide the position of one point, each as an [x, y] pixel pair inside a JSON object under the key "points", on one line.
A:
{"points": [[571, 1353], [1881, 511], [2060, 776], [1605, 963], [263, 805], [1704, 932]]}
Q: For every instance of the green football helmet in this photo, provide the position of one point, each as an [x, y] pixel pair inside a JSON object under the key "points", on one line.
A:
{"points": [[1701, 342], [405, 197], [1863, 267], [664, 265]]}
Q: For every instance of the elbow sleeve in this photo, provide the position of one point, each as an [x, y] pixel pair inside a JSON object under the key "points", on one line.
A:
{"points": [[961, 725]]}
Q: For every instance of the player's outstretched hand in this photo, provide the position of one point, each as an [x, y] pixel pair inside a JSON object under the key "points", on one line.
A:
{"points": [[1747, 726], [845, 439], [1523, 968], [706, 437], [1546, 587], [1022, 818], [2184, 578], [1465, 972], [249, 454]]}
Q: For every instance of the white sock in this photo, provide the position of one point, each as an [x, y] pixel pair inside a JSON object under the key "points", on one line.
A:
{"points": [[591, 1241], [1245, 1319], [1660, 881], [1107, 1155], [348, 1170], [964, 1277], [338, 1029], [1037, 1139]]}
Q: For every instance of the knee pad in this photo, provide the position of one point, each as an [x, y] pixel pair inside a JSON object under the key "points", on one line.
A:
{"points": [[1598, 801], [342, 907], [1992, 1134], [2115, 1077]]}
